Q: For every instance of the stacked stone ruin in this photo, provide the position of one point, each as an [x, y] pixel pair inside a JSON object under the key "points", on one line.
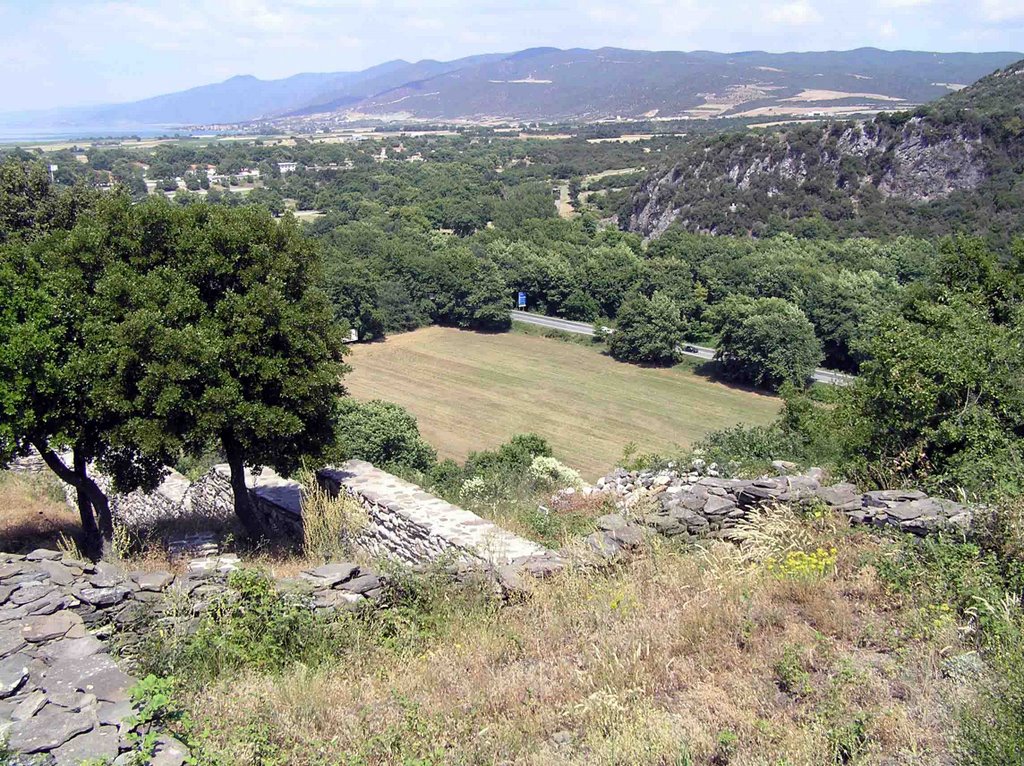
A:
{"points": [[674, 502], [63, 698]]}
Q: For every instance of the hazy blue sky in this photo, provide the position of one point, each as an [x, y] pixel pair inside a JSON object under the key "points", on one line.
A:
{"points": [[69, 52]]}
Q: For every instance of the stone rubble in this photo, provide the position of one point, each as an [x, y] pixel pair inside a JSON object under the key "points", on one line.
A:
{"points": [[674, 502], [63, 697]]}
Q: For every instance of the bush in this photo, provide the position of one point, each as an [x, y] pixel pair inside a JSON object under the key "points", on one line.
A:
{"points": [[648, 330], [992, 729], [512, 458], [548, 473], [381, 433], [251, 626]]}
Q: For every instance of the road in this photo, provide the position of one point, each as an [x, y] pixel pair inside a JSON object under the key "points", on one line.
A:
{"points": [[701, 352]]}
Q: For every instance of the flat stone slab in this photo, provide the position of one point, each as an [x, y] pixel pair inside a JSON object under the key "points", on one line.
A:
{"points": [[361, 584], [48, 729], [154, 581], [39, 629], [72, 649], [102, 743], [13, 673], [97, 675], [329, 575], [103, 597]]}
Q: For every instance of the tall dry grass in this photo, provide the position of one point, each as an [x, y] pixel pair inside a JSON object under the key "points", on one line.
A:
{"points": [[330, 525], [672, 658]]}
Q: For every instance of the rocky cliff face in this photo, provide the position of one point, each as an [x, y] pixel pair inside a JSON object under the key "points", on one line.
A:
{"points": [[832, 170]]}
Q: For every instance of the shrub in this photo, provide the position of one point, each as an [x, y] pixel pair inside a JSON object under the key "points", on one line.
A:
{"points": [[381, 433], [790, 674], [514, 457], [548, 473], [992, 729], [252, 625]]}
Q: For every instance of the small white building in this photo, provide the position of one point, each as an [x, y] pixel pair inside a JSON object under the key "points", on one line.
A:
{"points": [[287, 167]]}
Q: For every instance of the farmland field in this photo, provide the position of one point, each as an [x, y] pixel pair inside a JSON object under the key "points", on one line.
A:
{"points": [[471, 391]]}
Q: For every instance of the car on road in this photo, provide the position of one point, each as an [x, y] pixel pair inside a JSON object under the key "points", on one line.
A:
{"points": [[690, 349]]}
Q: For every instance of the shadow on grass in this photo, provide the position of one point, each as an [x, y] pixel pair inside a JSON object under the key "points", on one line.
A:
{"points": [[49, 533], [713, 371]]}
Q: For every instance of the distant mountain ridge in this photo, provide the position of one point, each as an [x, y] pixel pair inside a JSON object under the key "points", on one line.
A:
{"points": [[551, 84]]}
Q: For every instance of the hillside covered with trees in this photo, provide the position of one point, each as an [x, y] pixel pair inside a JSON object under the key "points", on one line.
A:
{"points": [[954, 165]]}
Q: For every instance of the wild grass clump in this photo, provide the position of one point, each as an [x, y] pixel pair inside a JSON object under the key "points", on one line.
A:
{"points": [[330, 524], [972, 591]]}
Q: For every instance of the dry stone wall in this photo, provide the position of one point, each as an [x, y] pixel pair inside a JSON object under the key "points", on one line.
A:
{"points": [[414, 526], [406, 522], [64, 698], [688, 503]]}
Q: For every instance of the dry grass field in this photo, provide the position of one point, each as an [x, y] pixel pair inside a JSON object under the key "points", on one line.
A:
{"points": [[471, 391]]}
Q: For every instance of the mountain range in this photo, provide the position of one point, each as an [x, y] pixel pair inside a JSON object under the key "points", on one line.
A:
{"points": [[550, 84]]}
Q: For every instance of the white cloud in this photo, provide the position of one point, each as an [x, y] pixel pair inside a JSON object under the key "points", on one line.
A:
{"points": [[1001, 11], [796, 13], [906, 3], [887, 30]]}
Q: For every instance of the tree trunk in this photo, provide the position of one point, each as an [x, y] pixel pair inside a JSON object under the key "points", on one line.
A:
{"points": [[99, 540], [101, 505], [243, 503], [92, 545]]}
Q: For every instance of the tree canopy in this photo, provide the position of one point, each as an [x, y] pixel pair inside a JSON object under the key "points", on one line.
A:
{"points": [[766, 342], [649, 330]]}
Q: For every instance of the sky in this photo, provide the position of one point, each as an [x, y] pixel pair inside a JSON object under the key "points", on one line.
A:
{"points": [[75, 52]]}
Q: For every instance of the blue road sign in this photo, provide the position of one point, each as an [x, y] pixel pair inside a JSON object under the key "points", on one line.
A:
{"points": [[522, 300]]}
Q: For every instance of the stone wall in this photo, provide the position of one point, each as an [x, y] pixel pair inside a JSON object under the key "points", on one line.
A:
{"points": [[64, 698], [406, 522], [675, 502], [414, 526]]}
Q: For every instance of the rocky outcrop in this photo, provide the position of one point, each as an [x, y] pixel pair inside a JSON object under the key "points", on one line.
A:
{"points": [[914, 163], [675, 503]]}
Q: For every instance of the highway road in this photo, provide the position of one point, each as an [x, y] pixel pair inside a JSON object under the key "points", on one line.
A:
{"points": [[701, 352]]}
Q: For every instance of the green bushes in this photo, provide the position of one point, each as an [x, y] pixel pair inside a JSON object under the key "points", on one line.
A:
{"points": [[766, 342], [982, 589], [381, 433], [252, 625], [992, 729], [648, 330]]}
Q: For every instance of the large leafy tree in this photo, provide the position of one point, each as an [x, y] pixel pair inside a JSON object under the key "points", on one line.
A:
{"points": [[649, 330], [250, 356], [942, 399], [53, 394], [765, 341]]}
